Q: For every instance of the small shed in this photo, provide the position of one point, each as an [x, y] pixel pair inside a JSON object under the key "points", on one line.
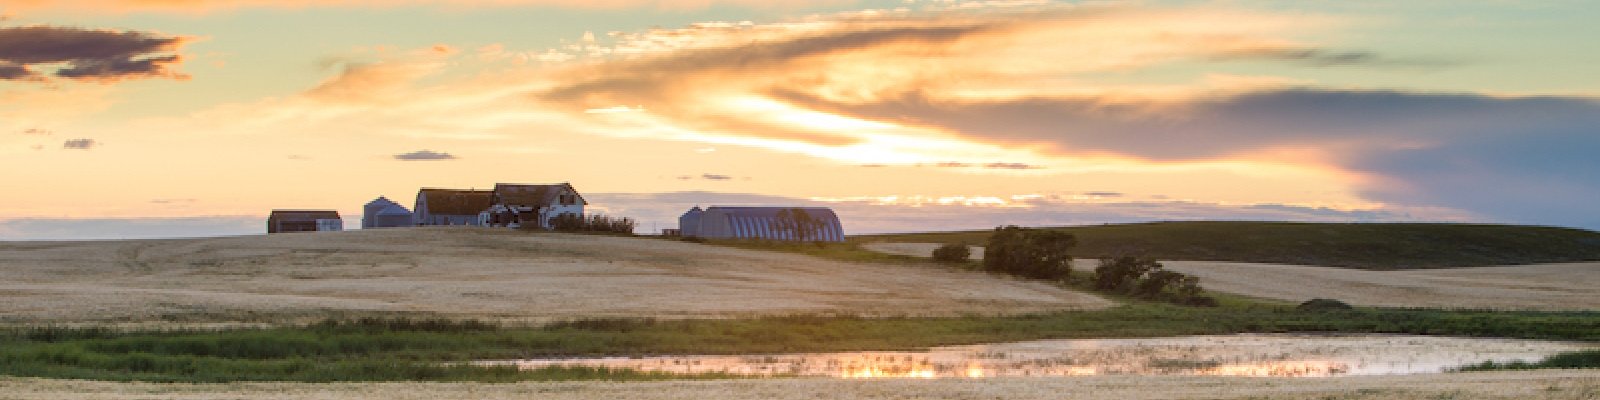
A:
{"points": [[284, 221]]}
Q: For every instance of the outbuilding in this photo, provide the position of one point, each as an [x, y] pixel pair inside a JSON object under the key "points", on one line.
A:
{"points": [[811, 224], [384, 213], [450, 206], [284, 221]]}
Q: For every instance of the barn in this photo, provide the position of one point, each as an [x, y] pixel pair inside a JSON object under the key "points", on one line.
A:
{"points": [[384, 213], [450, 206], [516, 205], [284, 221], [769, 223]]}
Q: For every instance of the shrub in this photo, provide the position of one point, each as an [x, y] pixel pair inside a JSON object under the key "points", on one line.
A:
{"points": [[592, 223], [1323, 305], [1145, 278], [1032, 253], [954, 253], [1121, 274]]}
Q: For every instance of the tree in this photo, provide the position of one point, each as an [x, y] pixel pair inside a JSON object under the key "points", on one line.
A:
{"points": [[1120, 274], [952, 253], [800, 224], [1032, 253]]}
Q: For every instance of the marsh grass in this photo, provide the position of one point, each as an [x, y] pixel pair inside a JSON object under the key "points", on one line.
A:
{"points": [[437, 350], [1587, 359]]}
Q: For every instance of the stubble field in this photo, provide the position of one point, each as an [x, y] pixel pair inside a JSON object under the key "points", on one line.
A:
{"points": [[1545, 287], [474, 273]]}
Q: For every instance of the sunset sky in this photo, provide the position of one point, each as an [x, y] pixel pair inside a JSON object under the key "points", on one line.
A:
{"points": [[164, 118]]}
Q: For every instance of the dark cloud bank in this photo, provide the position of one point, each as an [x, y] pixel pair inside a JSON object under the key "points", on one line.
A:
{"points": [[1508, 159], [86, 54]]}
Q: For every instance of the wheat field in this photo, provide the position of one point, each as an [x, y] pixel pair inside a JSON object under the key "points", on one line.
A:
{"points": [[474, 273], [1547, 287]]}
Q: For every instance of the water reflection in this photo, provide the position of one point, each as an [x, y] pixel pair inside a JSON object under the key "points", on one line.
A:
{"points": [[1236, 355]]}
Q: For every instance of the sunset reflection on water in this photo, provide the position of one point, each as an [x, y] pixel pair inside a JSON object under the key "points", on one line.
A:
{"points": [[1237, 355]]}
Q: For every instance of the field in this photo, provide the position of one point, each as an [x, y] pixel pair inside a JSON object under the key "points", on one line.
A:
{"points": [[1554, 384], [474, 273], [1364, 246], [1550, 287], [632, 296]]}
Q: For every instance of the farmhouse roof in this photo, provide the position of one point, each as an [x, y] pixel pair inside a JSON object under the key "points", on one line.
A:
{"points": [[525, 194]]}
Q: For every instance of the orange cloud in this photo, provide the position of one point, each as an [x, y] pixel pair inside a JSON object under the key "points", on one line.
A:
{"points": [[213, 6]]}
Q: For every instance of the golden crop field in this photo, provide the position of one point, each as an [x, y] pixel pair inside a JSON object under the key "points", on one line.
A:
{"points": [[474, 273]]}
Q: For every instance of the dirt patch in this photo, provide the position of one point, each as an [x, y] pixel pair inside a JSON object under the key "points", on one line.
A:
{"points": [[1552, 287], [476, 273], [1465, 386]]}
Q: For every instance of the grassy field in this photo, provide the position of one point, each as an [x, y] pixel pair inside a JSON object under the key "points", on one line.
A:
{"points": [[1365, 245]]}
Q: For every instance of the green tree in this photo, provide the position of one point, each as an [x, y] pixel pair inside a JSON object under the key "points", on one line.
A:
{"points": [[1032, 253]]}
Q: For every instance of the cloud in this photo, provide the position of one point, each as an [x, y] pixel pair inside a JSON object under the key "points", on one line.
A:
{"points": [[424, 155], [1005, 165], [1414, 149], [1329, 58], [37, 132], [213, 6], [874, 215], [715, 177], [128, 228], [79, 144], [87, 54], [1103, 194]]}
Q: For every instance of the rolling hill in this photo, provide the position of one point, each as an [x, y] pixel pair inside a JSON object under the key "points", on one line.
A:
{"points": [[1378, 246]]}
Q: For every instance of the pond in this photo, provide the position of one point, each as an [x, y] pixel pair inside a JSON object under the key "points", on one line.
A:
{"points": [[1230, 355]]}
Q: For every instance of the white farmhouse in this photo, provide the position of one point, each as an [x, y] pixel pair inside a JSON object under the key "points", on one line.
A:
{"points": [[516, 205]]}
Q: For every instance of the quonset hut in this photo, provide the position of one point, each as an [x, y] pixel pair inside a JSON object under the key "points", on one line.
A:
{"points": [[384, 213], [718, 222]]}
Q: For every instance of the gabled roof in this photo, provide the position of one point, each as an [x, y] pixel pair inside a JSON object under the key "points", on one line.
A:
{"points": [[302, 215], [381, 202], [528, 195], [454, 201]]}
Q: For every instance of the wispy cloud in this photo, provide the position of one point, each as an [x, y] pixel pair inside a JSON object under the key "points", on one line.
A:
{"points": [[213, 6], [87, 54], [923, 214], [424, 155], [715, 177], [79, 144]]}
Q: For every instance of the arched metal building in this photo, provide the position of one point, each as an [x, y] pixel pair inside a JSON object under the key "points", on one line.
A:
{"points": [[758, 223]]}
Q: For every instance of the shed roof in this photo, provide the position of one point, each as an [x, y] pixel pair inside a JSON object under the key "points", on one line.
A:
{"points": [[455, 201], [769, 212]]}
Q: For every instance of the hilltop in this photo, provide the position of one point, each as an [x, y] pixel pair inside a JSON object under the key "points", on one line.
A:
{"points": [[481, 273], [1378, 246]]}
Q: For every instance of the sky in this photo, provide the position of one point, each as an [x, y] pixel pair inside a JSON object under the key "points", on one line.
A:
{"points": [[176, 118]]}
